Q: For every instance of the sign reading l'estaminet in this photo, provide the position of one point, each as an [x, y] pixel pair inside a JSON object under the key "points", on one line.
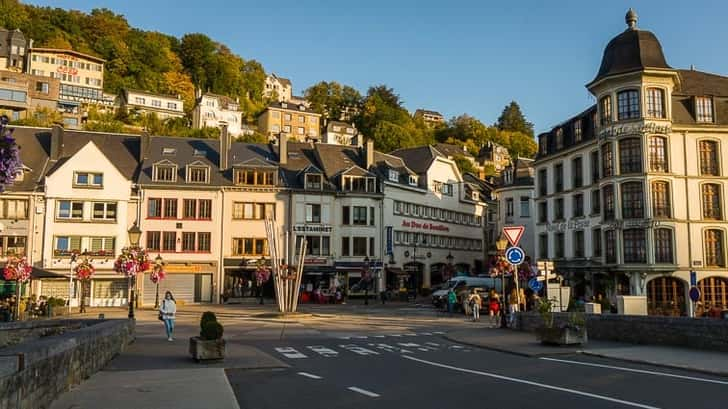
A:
{"points": [[312, 228]]}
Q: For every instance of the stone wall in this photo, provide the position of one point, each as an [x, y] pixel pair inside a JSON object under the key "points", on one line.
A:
{"points": [[12, 333], [34, 373], [701, 333]]}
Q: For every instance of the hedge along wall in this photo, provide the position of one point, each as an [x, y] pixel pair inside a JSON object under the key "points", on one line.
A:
{"points": [[701, 333], [35, 372]]}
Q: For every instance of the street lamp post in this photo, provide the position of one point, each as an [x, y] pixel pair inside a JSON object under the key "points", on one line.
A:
{"points": [[501, 245], [74, 256], [135, 234], [365, 277], [158, 263]]}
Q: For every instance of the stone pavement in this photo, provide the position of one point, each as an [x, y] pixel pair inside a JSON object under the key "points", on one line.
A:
{"points": [[525, 343], [154, 373]]}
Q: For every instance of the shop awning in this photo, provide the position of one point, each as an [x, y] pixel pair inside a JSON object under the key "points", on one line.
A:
{"points": [[37, 273], [396, 271]]}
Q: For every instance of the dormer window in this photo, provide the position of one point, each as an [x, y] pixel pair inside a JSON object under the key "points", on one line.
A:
{"points": [[284, 105], [199, 153], [313, 181], [254, 177], [393, 175], [413, 180], [198, 174], [474, 196], [87, 179], [560, 138], [169, 151], [358, 184], [577, 130], [704, 109], [164, 173]]}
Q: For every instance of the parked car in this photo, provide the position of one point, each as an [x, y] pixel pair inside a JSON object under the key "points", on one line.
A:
{"points": [[462, 286]]}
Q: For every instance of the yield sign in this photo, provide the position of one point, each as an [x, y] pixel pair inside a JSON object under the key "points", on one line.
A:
{"points": [[513, 234]]}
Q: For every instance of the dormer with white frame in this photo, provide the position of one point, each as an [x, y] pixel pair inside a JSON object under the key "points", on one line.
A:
{"points": [[197, 172], [164, 171]]}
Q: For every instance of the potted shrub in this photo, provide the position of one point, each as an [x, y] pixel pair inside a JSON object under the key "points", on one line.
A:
{"points": [[209, 345], [571, 333]]}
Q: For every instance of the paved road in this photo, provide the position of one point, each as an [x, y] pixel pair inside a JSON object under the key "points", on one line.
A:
{"points": [[362, 363]]}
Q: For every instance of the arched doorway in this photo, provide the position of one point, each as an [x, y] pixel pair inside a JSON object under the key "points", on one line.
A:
{"points": [[438, 274], [666, 296], [714, 292], [413, 279]]}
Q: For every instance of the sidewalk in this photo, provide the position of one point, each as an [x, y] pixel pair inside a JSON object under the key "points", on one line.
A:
{"points": [[154, 373], [526, 344]]}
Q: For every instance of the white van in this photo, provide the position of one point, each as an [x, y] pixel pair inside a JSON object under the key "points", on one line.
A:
{"points": [[458, 284]]}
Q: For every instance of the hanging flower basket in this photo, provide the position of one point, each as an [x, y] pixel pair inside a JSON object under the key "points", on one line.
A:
{"points": [[17, 269], [262, 274], [157, 275], [10, 162], [132, 261], [84, 270]]}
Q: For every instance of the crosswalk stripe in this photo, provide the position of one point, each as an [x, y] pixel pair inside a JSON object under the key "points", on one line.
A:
{"points": [[322, 350], [358, 349], [309, 375], [438, 332], [291, 353], [427, 334]]}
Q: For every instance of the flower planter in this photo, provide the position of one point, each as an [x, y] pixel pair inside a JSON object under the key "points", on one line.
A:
{"points": [[207, 350], [562, 336]]}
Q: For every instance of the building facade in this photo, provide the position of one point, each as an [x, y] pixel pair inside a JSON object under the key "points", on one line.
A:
{"points": [[278, 88], [515, 194], [433, 219], [493, 155], [13, 48], [630, 193], [141, 102], [340, 133], [214, 111], [299, 122], [432, 118]]}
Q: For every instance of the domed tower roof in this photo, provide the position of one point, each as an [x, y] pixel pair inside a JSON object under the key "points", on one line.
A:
{"points": [[632, 50]]}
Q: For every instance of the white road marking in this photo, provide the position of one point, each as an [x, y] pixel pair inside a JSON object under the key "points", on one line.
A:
{"points": [[360, 337], [309, 375], [434, 344], [291, 353], [344, 337], [537, 384], [363, 392], [408, 344], [438, 332], [456, 347], [322, 350], [411, 334], [380, 336], [619, 368], [358, 349], [427, 334], [396, 335]]}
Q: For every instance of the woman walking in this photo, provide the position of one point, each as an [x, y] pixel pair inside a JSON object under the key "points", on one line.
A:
{"points": [[166, 313], [474, 301]]}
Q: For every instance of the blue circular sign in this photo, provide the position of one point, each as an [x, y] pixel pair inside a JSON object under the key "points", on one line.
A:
{"points": [[694, 294], [515, 255], [535, 285]]}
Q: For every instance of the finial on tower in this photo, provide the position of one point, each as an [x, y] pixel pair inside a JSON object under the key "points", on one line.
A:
{"points": [[631, 19]]}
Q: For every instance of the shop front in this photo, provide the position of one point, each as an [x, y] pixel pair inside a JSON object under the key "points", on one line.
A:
{"points": [[240, 281], [359, 278], [189, 283], [320, 283]]}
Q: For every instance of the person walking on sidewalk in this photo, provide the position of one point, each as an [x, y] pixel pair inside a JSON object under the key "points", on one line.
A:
{"points": [[512, 307], [474, 301], [167, 311], [451, 300]]}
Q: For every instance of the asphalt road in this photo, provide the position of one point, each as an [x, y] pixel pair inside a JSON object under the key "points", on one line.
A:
{"points": [[380, 364]]}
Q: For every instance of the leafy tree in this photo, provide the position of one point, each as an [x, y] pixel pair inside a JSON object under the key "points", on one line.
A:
{"points": [[512, 119], [331, 98], [465, 165], [256, 137], [197, 52]]}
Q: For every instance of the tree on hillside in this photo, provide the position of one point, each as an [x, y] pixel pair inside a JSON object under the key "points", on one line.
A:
{"points": [[465, 165], [253, 77], [197, 52], [512, 119], [463, 128], [331, 98]]}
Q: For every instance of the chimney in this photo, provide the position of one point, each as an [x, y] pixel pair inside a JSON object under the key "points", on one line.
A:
{"points": [[56, 141], [369, 151], [283, 148], [144, 141], [224, 147]]}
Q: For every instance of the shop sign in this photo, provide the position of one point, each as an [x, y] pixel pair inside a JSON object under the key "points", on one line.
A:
{"points": [[424, 226], [312, 228], [181, 268], [577, 224], [315, 260], [631, 224], [630, 129]]}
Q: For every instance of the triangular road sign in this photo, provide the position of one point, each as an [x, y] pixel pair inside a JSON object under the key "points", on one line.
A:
{"points": [[513, 234]]}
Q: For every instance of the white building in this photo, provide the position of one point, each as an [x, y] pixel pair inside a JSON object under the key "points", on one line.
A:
{"points": [[142, 102], [340, 133], [433, 219], [279, 87], [89, 207], [214, 111], [631, 192], [515, 201]]}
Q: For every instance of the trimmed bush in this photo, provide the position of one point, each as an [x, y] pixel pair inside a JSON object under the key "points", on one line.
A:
{"points": [[211, 330], [206, 317]]}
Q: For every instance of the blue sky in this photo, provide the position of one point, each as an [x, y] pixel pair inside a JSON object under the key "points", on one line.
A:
{"points": [[451, 56]]}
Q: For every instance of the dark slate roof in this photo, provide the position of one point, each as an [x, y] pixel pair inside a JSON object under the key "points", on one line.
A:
{"points": [[694, 84], [418, 159], [187, 151], [334, 159], [632, 50], [484, 186], [383, 163], [122, 150], [428, 112], [34, 146], [588, 132], [700, 83], [301, 159], [450, 150], [522, 170], [290, 106]]}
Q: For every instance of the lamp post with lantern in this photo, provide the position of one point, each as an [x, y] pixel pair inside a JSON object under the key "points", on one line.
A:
{"points": [[450, 269], [501, 245], [135, 233], [157, 276]]}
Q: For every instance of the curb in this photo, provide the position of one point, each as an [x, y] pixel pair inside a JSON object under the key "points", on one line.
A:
{"points": [[657, 364], [509, 351]]}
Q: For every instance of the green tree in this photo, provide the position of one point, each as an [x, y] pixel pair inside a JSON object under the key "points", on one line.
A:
{"points": [[331, 98], [197, 52], [465, 165], [512, 119]]}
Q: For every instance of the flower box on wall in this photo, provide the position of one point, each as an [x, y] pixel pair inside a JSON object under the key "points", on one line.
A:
{"points": [[567, 335]]}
